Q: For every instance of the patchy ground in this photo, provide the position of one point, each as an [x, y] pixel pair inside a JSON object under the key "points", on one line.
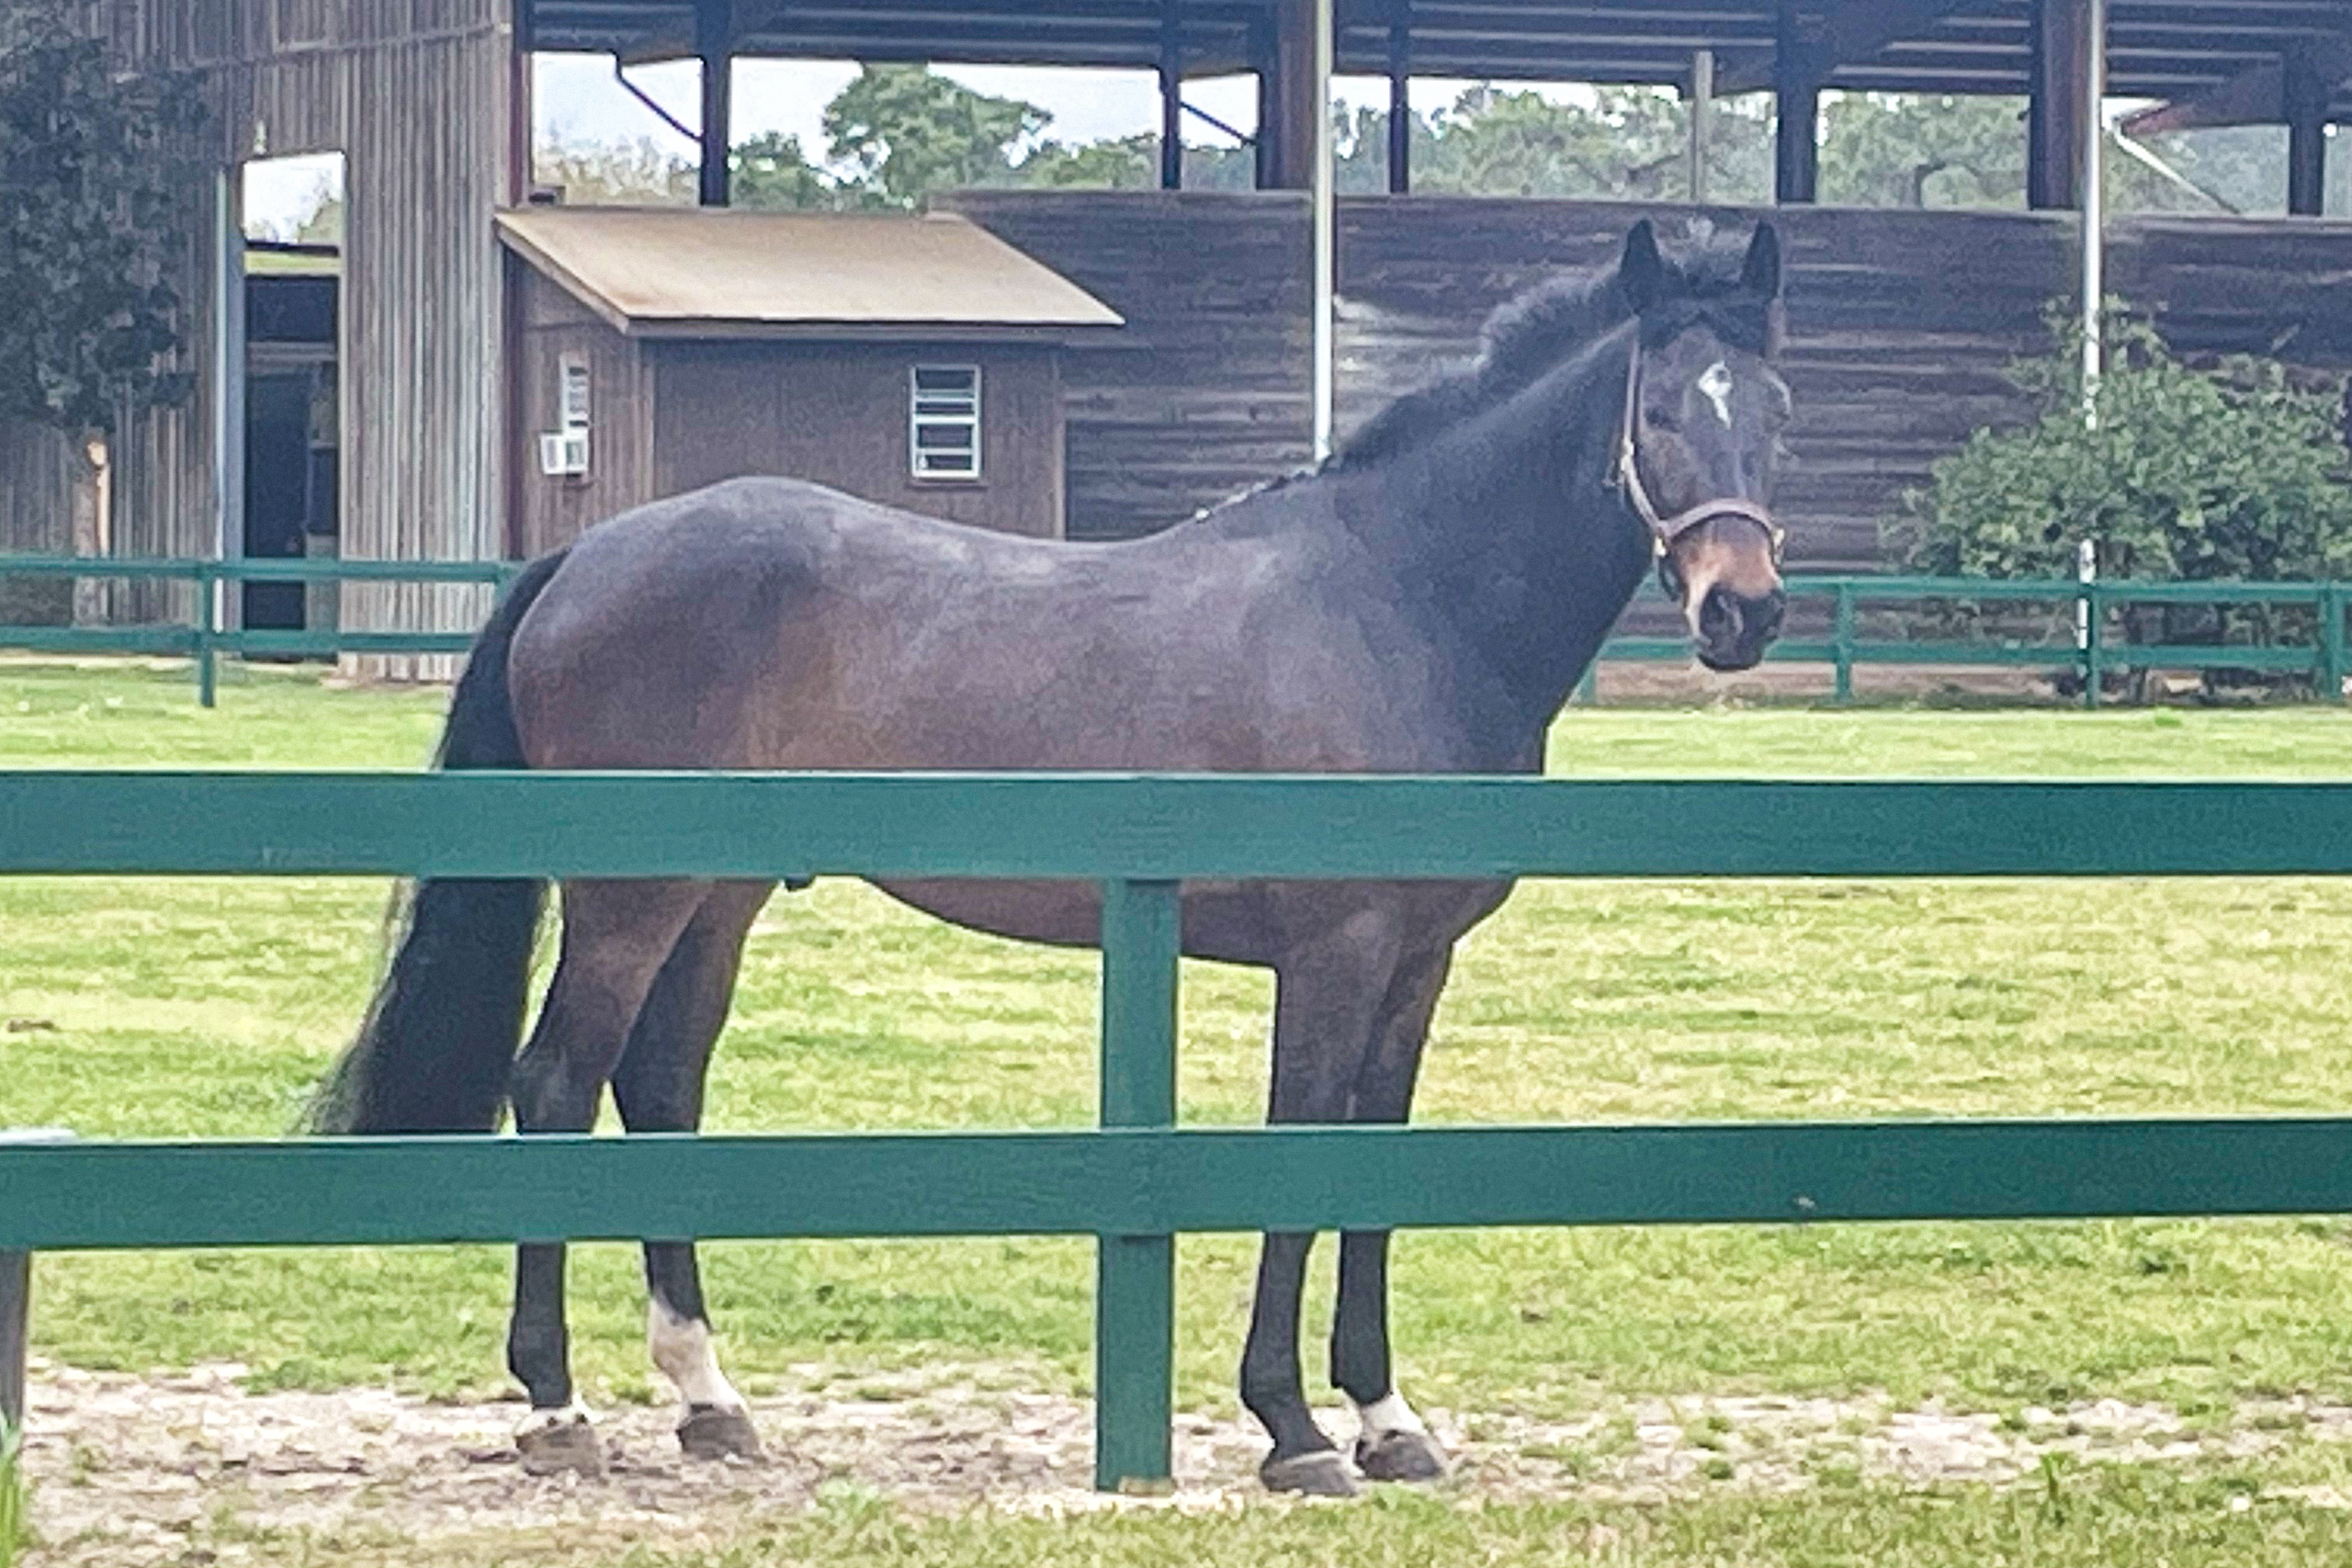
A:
{"points": [[130, 1470]]}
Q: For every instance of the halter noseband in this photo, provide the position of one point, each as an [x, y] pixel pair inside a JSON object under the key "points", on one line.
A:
{"points": [[1665, 530]]}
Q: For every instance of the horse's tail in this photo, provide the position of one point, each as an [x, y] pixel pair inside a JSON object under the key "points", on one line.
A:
{"points": [[434, 1053]]}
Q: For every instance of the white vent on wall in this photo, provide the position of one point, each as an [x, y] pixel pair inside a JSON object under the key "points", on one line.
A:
{"points": [[563, 453]]}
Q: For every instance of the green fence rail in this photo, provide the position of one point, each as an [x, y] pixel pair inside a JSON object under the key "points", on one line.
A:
{"points": [[1139, 1180], [2325, 660], [208, 636]]}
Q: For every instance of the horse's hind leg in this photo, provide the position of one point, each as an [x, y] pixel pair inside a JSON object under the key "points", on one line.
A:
{"points": [[616, 937], [659, 1088]]}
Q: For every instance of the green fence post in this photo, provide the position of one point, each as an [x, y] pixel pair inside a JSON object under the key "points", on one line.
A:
{"points": [[208, 626], [1135, 1281], [2331, 641], [1842, 642], [16, 1299], [2094, 613]]}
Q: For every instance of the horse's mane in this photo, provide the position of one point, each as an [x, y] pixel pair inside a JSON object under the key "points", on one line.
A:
{"points": [[1540, 328], [1550, 324]]}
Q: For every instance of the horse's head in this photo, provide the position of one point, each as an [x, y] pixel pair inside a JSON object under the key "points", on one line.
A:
{"points": [[1701, 437]]}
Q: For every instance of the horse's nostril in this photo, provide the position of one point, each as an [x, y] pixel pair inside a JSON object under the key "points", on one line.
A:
{"points": [[1719, 614]]}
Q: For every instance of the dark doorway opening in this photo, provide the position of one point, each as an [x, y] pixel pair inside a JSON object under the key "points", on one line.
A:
{"points": [[292, 468]]}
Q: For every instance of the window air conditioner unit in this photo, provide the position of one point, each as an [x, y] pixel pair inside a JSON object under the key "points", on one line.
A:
{"points": [[563, 453]]}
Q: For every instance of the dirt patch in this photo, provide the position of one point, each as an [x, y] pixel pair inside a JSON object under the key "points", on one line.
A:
{"points": [[129, 1470]]}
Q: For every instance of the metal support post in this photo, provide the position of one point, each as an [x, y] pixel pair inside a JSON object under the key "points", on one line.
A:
{"points": [[1702, 112], [1171, 96], [1135, 1291], [714, 43], [1400, 98]]}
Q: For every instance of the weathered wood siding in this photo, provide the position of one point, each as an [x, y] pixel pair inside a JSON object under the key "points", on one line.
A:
{"points": [[1901, 323], [36, 491], [1204, 391], [416, 94], [551, 512], [836, 413]]}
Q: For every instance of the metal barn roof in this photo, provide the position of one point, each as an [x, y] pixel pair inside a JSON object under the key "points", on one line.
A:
{"points": [[2158, 49], [686, 272]]}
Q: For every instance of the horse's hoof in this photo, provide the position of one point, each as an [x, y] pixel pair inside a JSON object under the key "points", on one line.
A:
{"points": [[713, 1431], [1319, 1473], [1401, 1456], [565, 1445]]}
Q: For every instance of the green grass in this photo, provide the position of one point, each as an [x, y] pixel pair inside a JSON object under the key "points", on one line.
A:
{"points": [[2114, 1516], [192, 1008], [14, 1534]]}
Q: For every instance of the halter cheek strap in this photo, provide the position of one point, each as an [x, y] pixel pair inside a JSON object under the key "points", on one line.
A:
{"points": [[1665, 530]]}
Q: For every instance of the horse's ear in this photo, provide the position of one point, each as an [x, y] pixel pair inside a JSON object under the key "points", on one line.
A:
{"points": [[1760, 274], [1641, 272]]}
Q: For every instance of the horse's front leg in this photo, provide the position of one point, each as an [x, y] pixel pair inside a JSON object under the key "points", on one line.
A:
{"points": [[659, 1089], [1392, 1444], [1325, 1000]]}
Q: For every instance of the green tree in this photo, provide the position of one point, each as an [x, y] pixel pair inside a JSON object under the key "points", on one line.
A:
{"points": [[1132, 162], [95, 171], [771, 171], [1918, 149], [906, 131], [96, 168], [614, 174]]}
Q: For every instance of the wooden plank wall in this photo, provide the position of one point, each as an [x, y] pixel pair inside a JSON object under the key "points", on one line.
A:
{"points": [[36, 491], [1204, 392], [1901, 323], [415, 93]]}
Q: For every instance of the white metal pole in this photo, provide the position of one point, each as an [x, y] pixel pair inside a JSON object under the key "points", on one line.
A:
{"points": [[1325, 346], [227, 377], [2094, 198]]}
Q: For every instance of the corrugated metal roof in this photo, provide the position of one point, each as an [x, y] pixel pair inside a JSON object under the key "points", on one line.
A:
{"points": [[727, 271]]}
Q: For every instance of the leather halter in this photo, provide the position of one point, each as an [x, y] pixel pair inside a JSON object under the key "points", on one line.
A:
{"points": [[1663, 530]]}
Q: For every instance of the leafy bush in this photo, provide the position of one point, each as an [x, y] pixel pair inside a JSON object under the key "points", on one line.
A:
{"points": [[2238, 471]]}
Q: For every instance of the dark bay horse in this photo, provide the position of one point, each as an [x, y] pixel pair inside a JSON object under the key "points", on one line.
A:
{"points": [[1422, 605]]}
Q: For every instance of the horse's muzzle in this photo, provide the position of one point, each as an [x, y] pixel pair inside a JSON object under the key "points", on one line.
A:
{"points": [[1734, 629]]}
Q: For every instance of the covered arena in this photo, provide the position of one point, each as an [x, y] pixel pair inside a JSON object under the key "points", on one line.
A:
{"points": [[1246, 345]]}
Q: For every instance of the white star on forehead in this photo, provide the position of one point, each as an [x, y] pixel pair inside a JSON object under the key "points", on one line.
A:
{"points": [[1716, 384]]}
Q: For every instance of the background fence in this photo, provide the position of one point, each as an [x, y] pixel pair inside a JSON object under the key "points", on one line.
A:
{"points": [[1137, 1181], [2317, 650]]}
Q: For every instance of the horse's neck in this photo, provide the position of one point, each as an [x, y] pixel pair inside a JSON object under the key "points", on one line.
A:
{"points": [[1511, 526]]}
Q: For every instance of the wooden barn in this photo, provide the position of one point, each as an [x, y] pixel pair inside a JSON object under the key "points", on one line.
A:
{"points": [[1257, 324], [912, 361]]}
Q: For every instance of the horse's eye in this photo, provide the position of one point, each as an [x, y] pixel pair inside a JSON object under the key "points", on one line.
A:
{"points": [[1665, 419]]}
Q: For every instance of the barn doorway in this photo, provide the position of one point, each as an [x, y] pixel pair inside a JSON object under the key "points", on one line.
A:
{"points": [[293, 285]]}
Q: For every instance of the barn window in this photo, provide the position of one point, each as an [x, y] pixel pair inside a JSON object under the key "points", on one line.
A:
{"points": [[943, 422]]}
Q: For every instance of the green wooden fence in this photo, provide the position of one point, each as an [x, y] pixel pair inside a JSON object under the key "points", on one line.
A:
{"points": [[207, 636], [2324, 660], [1139, 1180]]}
